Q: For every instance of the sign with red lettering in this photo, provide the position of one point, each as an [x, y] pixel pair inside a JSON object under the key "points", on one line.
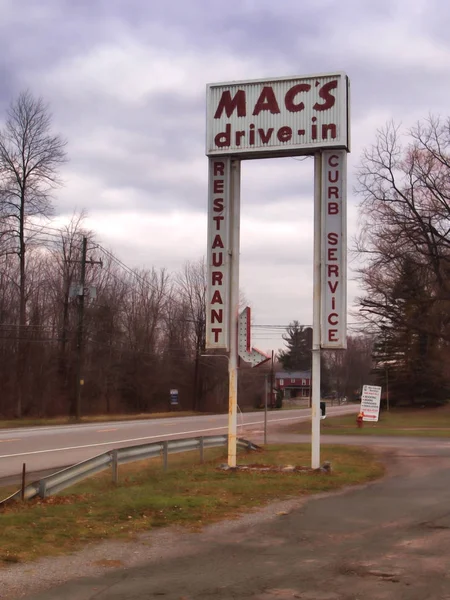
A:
{"points": [[277, 117], [370, 402], [218, 292], [334, 250]]}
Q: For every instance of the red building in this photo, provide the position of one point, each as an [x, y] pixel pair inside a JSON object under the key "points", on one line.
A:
{"points": [[295, 384]]}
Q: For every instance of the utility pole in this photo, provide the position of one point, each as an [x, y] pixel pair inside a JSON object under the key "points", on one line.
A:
{"points": [[387, 389], [80, 382], [271, 380], [80, 326], [266, 390], [386, 369]]}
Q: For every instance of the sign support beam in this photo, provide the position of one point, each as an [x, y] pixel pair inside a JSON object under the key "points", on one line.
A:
{"points": [[317, 299], [233, 249]]}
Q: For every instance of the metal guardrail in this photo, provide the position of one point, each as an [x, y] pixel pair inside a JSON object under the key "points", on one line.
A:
{"points": [[52, 484]]}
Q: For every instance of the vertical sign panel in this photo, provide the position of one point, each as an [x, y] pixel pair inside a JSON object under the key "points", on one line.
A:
{"points": [[333, 323], [218, 285]]}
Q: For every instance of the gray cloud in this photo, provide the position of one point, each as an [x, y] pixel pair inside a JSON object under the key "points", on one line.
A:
{"points": [[126, 83]]}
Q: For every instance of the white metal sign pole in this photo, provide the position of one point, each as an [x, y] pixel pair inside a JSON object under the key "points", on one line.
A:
{"points": [[233, 249], [315, 398]]}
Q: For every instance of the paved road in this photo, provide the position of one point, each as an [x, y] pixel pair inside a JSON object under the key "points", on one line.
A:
{"points": [[410, 445], [385, 541], [46, 448]]}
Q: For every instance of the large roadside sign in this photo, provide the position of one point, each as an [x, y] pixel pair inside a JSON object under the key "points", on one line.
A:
{"points": [[264, 119], [268, 118]]}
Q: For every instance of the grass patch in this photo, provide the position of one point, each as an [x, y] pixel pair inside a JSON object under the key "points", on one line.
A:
{"points": [[188, 494], [26, 422], [7, 491], [425, 422]]}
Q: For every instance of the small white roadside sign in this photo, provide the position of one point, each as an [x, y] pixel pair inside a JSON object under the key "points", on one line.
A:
{"points": [[370, 402]]}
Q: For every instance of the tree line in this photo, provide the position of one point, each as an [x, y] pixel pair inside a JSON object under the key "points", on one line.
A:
{"points": [[143, 330]]}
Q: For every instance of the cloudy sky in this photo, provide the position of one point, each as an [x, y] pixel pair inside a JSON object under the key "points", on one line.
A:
{"points": [[126, 83]]}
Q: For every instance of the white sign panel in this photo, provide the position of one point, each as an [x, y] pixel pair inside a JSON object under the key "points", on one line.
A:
{"points": [[370, 402], [333, 327], [218, 285], [277, 117]]}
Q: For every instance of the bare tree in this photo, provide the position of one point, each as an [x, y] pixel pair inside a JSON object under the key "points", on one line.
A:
{"points": [[406, 215], [30, 155], [192, 286], [348, 370], [405, 244]]}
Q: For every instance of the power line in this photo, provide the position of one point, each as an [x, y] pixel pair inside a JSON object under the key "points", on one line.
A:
{"points": [[282, 327], [271, 329], [134, 273], [40, 231], [12, 326], [28, 339], [59, 230]]}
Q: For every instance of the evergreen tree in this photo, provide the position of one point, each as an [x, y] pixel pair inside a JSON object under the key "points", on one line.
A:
{"points": [[297, 356], [404, 353]]}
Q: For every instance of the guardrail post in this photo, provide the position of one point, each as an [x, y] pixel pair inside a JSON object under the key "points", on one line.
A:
{"points": [[202, 450], [115, 467], [22, 489], [165, 454], [43, 489]]}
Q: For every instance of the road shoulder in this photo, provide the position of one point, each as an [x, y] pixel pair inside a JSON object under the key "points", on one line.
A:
{"points": [[95, 560]]}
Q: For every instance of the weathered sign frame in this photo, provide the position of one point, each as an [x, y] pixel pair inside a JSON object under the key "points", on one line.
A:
{"points": [[268, 118]]}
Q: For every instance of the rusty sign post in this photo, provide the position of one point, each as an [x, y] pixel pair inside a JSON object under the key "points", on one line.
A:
{"points": [[291, 116]]}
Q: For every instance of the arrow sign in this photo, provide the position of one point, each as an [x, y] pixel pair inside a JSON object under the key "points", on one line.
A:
{"points": [[251, 355]]}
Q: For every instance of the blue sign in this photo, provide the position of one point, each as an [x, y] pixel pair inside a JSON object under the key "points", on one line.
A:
{"points": [[174, 397]]}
